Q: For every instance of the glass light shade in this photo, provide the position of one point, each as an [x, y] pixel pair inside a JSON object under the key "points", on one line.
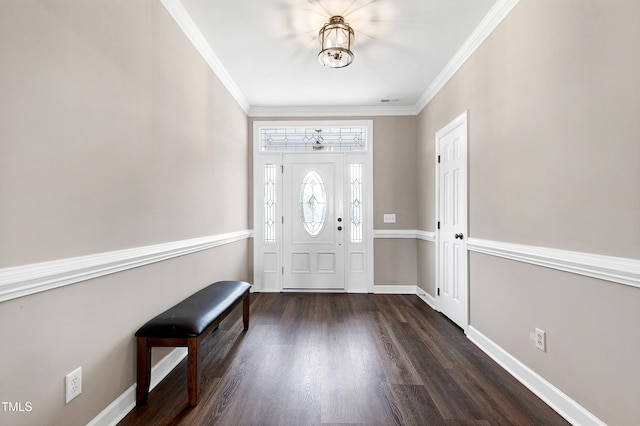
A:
{"points": [[336, 38]]}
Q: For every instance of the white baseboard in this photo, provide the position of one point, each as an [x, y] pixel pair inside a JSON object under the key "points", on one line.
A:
{"points": [[126, 402], [573, 412], [427, 298], [394, 289]]}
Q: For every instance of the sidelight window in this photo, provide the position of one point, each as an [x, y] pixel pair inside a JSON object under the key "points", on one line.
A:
{"points": [[270, 203], [355, 202]]}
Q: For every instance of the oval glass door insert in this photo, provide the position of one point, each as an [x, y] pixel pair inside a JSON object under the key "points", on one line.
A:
{"points": [[313, 204]]}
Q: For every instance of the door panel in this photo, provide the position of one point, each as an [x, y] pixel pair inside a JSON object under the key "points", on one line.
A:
{"points": [[313, 234], [452, 214]]}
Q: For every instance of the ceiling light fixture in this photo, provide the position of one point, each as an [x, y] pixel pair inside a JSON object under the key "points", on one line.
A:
{"points": [[335, 41]]}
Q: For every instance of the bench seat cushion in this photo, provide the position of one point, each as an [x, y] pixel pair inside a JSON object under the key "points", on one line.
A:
{"points": [[190, 317]]}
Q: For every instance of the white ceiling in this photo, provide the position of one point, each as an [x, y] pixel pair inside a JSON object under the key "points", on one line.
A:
{"points": [[268, 49]]}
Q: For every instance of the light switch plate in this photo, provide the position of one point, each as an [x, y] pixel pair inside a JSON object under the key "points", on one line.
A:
{"points": [[389, 218]]}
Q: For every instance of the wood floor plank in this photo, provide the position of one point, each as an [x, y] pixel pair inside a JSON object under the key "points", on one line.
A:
{"points": [[339, 401], [361, 359], [451, 401], [417, 406], [376, 399], [302, 396]]}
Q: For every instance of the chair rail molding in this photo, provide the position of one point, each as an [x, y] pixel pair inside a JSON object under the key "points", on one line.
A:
{"points": [[23, 280], [615, 269], [404, 234]]}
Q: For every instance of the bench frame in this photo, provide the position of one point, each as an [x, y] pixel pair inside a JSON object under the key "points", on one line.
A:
{"points": [[193, 358]]}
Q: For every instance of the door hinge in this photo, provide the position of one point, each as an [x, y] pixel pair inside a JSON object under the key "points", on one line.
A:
{"points": [[438, 224], [283, 220], [438, 291], [283, 270], [282, 169], [438, 159]]}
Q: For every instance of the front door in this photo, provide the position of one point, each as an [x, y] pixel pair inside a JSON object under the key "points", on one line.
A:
{"points": [[452, 295], [313, 222]]}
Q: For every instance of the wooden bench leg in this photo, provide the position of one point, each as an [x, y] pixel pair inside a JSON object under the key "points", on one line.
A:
{"points": [[144, 371], [245, 311], [193, 371]]}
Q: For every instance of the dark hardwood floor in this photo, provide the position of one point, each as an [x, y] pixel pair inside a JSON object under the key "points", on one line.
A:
{"points": [[323, 359]]}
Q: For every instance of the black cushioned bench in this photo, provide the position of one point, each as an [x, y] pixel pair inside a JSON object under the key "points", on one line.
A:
{"points": [[186, 324]]}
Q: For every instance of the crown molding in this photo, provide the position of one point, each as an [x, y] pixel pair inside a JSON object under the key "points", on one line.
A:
{"points": [[183, 19], [497, 13], [331, 111]]}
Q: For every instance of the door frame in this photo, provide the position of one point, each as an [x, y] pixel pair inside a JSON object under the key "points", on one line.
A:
{"points": [[461, 120], [358, 256]]}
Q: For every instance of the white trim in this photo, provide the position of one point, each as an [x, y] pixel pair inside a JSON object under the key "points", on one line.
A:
{"points": [[333, 111], [183, 19], [573, 412], [395, 233], [394, 289], [126, 402], [426, 236], [23, 280], [427, 298], [404, 233], [497, 13], [616, 269]]}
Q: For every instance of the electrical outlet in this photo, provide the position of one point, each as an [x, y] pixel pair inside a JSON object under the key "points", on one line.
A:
{"points": [[73, 384], [541, 340]]}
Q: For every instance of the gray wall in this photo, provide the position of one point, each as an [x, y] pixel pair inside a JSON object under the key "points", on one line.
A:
{"points": [[554, 161], [114, 133]]}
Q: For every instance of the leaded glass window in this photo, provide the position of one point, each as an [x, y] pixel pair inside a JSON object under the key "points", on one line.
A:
{"points": [[355, 202], [270, 203], [318, 139], [313, 204]]}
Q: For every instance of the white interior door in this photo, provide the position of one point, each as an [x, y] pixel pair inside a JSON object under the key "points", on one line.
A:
{"points": [[452, 295], [313, 222]]}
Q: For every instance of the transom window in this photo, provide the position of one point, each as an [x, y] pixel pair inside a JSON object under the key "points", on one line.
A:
{"points": [[310, 139]]}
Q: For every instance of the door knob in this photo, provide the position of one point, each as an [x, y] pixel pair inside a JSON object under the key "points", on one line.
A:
{"points": [[339, 228], [459, 235]]}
